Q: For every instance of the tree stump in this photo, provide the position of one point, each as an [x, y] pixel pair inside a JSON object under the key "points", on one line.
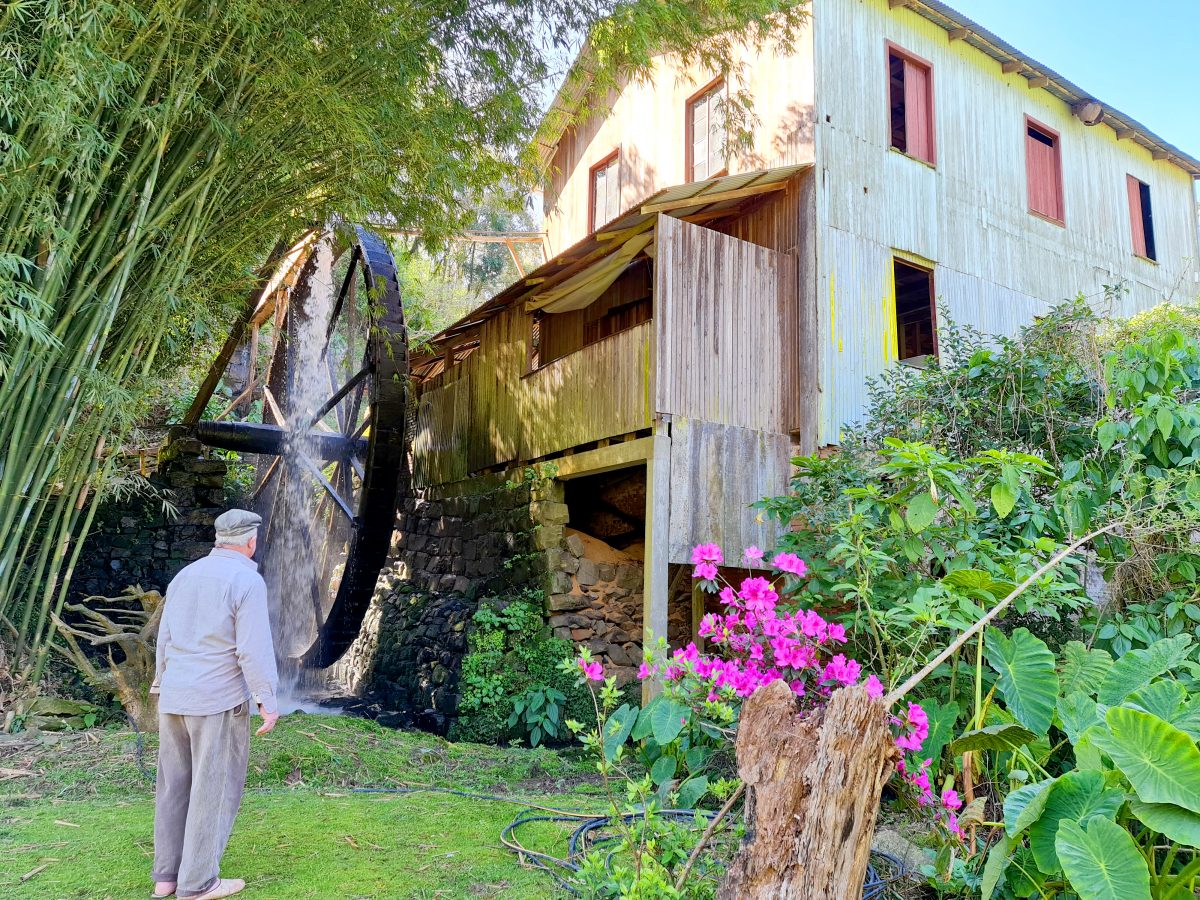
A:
{"points": [[812, 795]]}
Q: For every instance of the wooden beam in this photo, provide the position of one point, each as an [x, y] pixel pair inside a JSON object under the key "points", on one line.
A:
{"points": [[718, 197], [655, 588], [1159, 154], [1124, 134], [1011, 66], [512, 250], [1039, 81], [958, 34], [604, 459], [897, 4], [217, 369]]}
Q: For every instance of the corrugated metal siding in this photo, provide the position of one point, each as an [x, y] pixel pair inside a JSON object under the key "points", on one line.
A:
{"points": [[995, 263]]}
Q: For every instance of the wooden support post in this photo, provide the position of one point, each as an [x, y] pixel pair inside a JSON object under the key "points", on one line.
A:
{"points": [[656, 590], [697, 614], [812, 795]]}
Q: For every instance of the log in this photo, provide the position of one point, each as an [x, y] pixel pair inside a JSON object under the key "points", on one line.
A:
{"points": [[813, 785]]}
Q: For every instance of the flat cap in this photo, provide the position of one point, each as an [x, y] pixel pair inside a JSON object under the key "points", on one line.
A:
{"points": [[235, 525]]}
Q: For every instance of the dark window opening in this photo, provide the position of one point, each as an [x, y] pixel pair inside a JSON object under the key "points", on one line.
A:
{"points": [[896, 87], [916, 317], [1141, 219]]}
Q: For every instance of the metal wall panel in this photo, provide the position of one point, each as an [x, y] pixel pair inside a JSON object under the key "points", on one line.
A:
{"points": [[995, 264]]}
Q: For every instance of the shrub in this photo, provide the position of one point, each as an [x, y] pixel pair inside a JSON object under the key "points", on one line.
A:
{"points": [[511, 657]]}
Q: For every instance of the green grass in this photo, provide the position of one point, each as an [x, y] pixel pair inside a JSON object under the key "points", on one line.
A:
{"points": [[302, 831]]}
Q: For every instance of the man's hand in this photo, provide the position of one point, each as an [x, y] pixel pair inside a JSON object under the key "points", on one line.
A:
{"points": [[269, 720]]}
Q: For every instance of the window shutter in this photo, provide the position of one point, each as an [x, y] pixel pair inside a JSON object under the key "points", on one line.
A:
{"points": [[1136, 221], [1042, 174], [918, 111], [700, 139]]}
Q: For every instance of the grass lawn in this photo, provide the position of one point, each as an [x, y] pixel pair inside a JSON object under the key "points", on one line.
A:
{"points": [[82, 817]]}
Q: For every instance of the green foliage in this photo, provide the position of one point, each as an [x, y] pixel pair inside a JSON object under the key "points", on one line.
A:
{"points": [[510, 681], [151, 155]]}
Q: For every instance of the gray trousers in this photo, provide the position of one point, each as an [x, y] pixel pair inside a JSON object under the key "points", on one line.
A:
{"points": [[201, 776]]}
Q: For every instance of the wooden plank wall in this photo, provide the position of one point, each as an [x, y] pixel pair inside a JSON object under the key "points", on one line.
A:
{"points": [[717, 471], [728, 329], [485, 411], [562, 333]]}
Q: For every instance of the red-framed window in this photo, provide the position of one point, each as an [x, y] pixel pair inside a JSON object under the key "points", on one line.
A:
{"points": [[604, 191], [706, 132], [1043, 170], [1141, 218], [910, 104]]}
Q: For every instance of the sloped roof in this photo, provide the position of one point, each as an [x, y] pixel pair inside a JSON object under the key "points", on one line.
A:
{"points": [[707, 201], [561, 112]]}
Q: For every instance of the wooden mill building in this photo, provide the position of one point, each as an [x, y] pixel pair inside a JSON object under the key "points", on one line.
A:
{"points": [[707, 312]]}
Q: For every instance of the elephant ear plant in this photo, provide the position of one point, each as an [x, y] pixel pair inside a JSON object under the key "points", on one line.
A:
{"points": [[1109, 807]]}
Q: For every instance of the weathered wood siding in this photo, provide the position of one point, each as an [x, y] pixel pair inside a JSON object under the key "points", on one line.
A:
{"points": [[485, 411], [646, 122], [728, 343], [717, 471], [996, 265]]}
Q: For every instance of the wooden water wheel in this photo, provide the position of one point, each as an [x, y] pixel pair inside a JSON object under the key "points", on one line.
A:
{"points": [[325, 409]]}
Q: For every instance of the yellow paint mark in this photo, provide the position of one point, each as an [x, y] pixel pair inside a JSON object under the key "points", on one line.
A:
{"points": [[833, 313], [891, 342]]}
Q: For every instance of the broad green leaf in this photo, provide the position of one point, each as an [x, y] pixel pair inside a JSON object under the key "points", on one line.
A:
{"points": [[691, 791], [663, 769], [1162, 698], [644, 727], [1075, 797], [1187, 719], [1006, 736], [943, 718], [1003, 499], [1165, 422], [921, 511], [1160, 761], [1081, 668], [668, 720], [1027, 679], [969, 579], [993, 870], [1137, 668], [1023, 806], [1179, 824], [1107, 435], [1102, 862], [1077, 712], [617, 729]]}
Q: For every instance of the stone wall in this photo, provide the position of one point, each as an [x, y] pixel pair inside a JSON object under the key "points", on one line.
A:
{"points": [[135, 543]]}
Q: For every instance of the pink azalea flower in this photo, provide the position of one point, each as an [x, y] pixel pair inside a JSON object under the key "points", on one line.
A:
{"points": [[753, 554], [950, 800], [709, 553], [790, 562], [647, 671], [874, 688], [594, 671], [705, 571]]}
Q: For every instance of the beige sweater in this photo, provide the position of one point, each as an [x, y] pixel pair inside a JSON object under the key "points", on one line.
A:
{"points": [[214, 642]]}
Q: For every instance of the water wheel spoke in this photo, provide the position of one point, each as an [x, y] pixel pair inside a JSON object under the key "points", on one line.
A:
{"points": [[313, 469], [272, 472], [361, 430], [346, 288], [337, 398], [357, 465]]}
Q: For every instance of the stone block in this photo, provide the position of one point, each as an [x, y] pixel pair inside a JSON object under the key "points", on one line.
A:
{"points": [[588, 572], [630, 578], [561, 583], [549, 513], [607, 571], [562, 633], [547, 536], [580, 634], [575, 545], [618, 655], [566, 602]]}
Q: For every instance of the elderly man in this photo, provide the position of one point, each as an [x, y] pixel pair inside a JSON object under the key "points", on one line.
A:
{"points": [[214, 649]]}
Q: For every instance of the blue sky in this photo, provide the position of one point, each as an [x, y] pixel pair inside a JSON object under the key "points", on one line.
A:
{"points": [[1141, 58]]}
